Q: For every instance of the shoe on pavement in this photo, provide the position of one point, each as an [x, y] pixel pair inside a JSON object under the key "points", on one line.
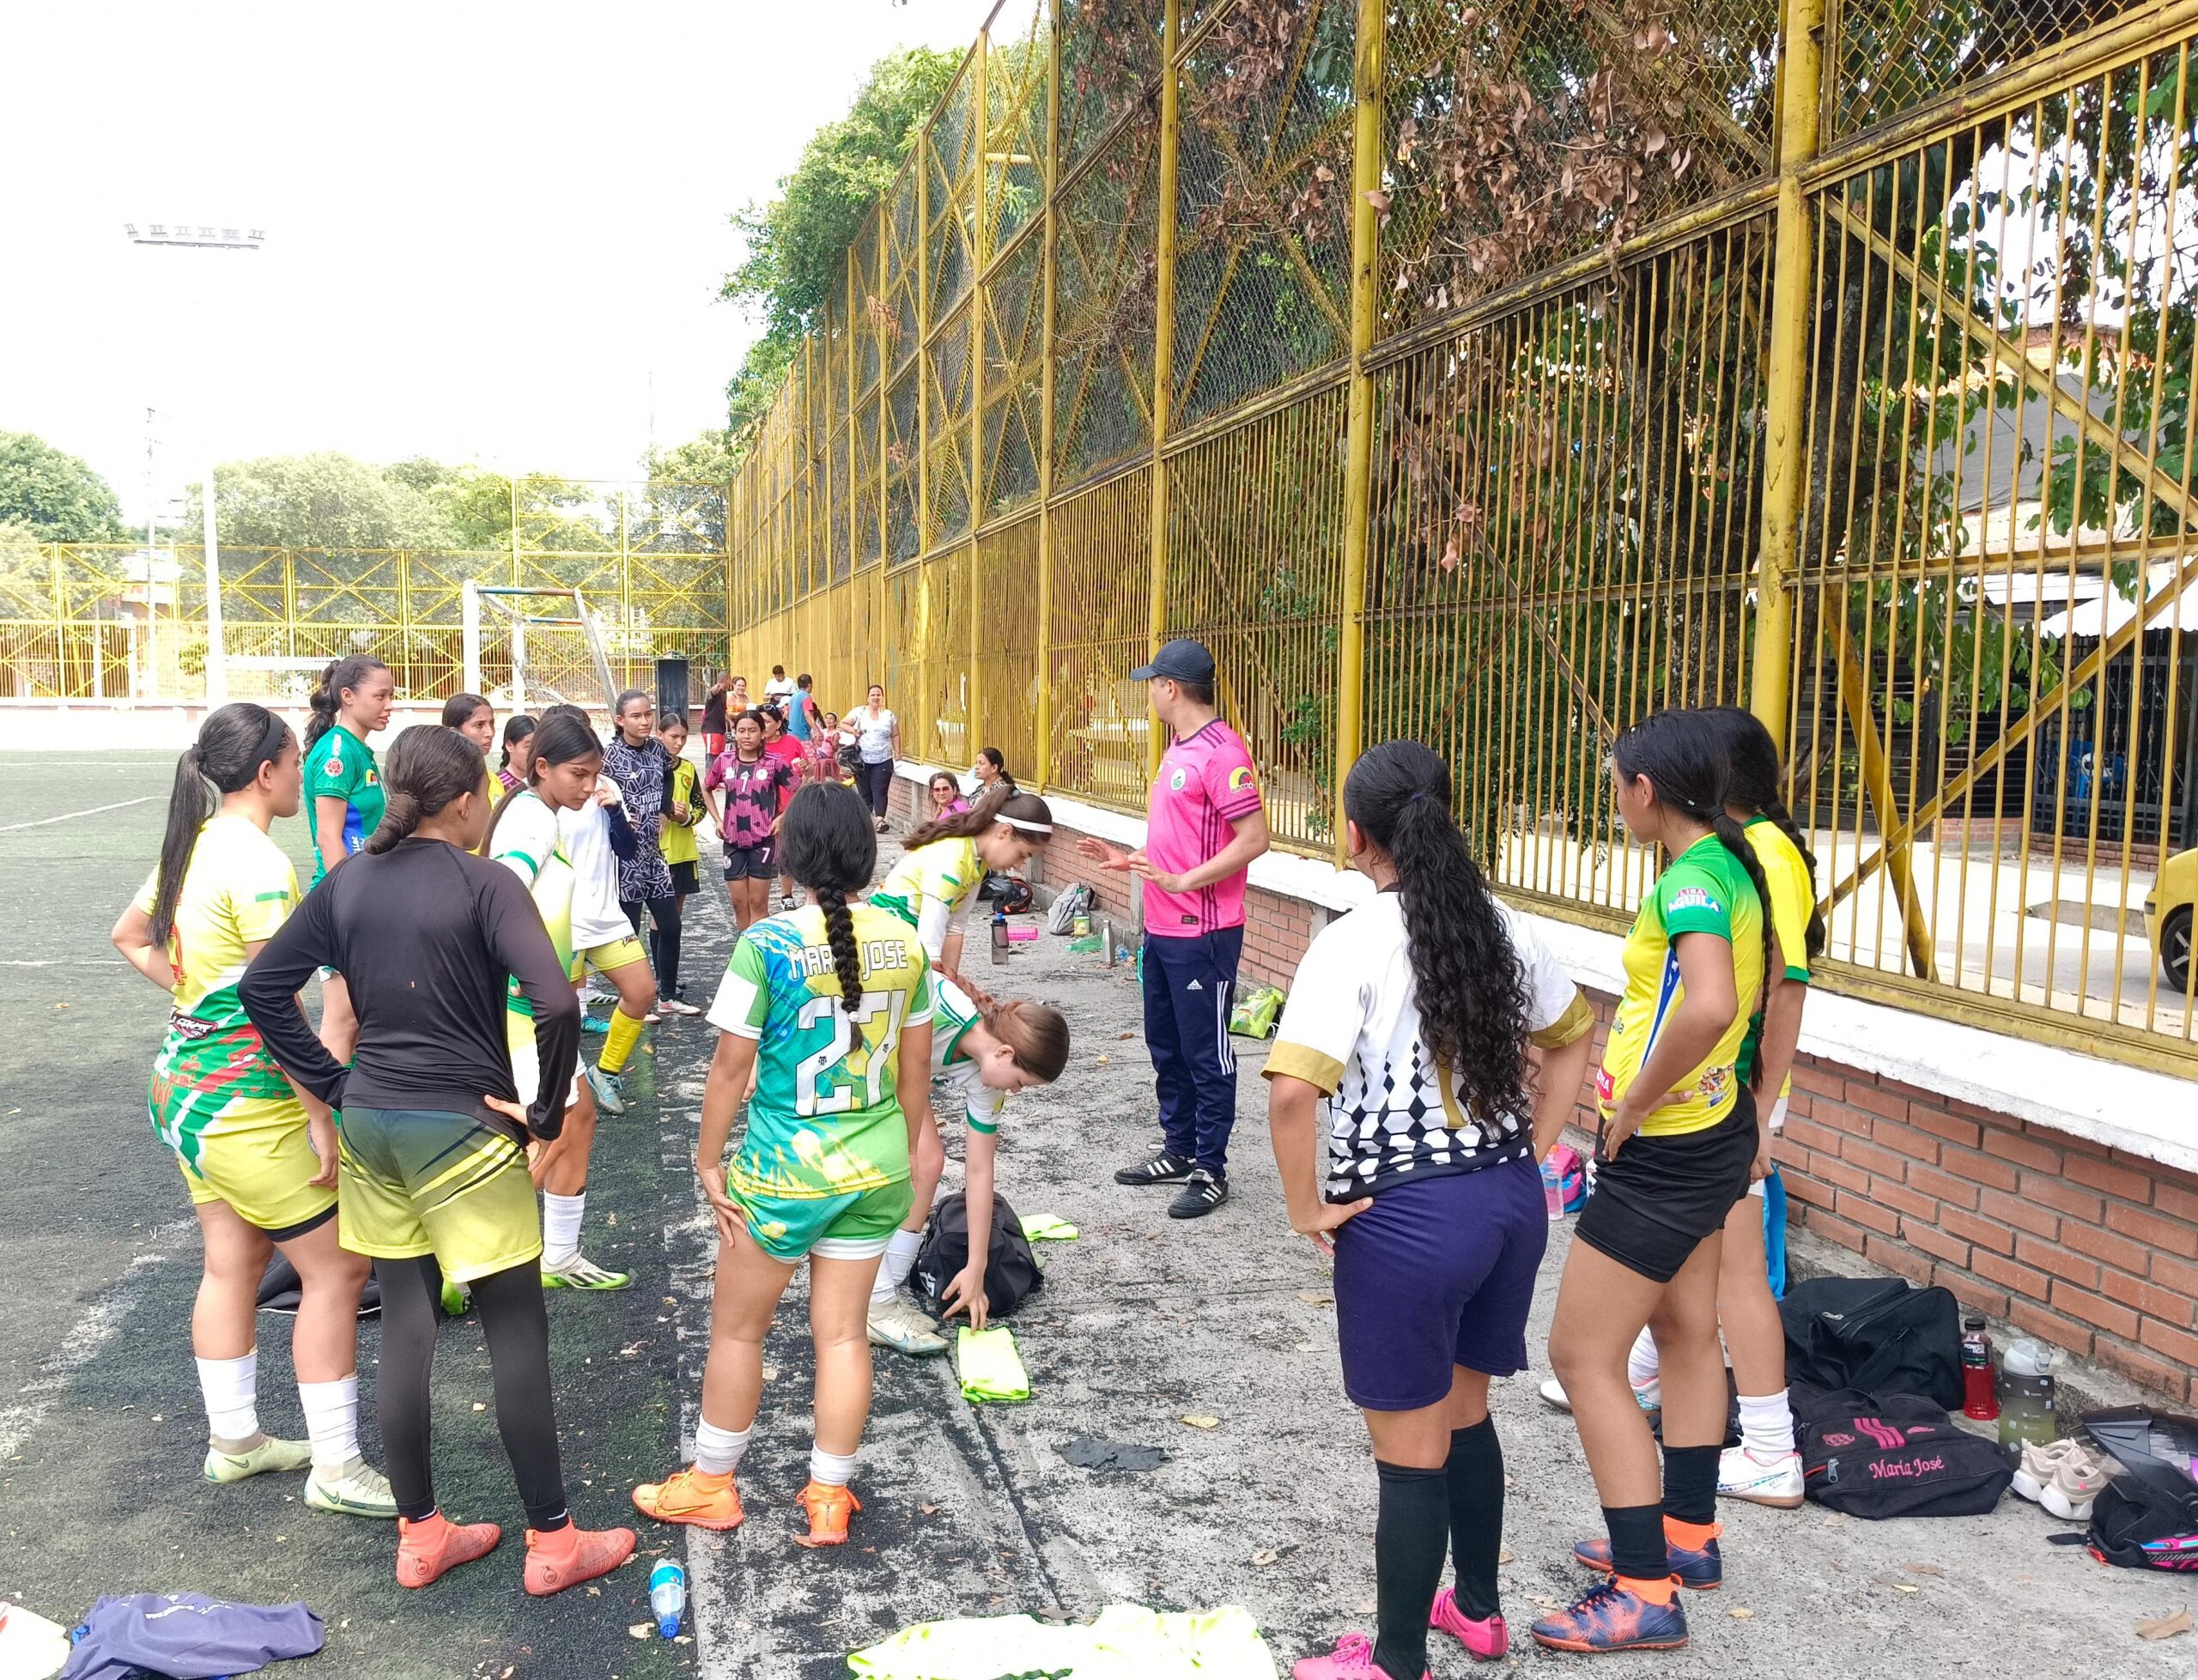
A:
{"points": [[2076, 1483], [1610, 1618], [581, 1273], [1163, 1168], [355, 1488], [1200, 1196], [1485, 1638], [830, 1509], [569, 1555], [591, 1024], [1700, 1571], [690, 1497], [1351, 1660], [1649, 1396], [1773, 1482], [676, 1006], [609, 1090], [454, 1299], [427, 1551], [895, 1325], [267, 1454], [2034, 1473]]}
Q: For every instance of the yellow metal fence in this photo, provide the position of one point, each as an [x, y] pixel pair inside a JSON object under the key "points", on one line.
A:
{"points": [[1496, 374]]}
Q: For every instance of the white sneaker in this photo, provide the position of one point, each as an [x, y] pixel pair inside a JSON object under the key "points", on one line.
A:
{"points": [[895, 1323], [353, 1489], [1776, 1482], [676, 1006], [1553, 1391], [581, 1273], [2076, 1481], [1649, 1396]]}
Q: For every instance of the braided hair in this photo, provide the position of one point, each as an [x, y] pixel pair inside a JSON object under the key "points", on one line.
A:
{"points": [[828, 843], [1682, 753], [1752, 762], [233, 743], [1465, 974], [427, 768]]}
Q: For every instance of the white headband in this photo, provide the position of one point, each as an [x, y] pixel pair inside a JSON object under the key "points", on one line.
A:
{"points": [[1028, 827]]}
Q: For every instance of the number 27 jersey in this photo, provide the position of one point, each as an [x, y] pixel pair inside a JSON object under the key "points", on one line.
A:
{"points": [[826, 1120]]}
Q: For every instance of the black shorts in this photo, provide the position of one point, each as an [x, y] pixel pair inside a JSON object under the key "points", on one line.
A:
{"points": [[751, 862], [685, 879], [1656, 1202]]}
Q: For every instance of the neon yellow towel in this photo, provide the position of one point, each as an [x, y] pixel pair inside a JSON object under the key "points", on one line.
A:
{"points": [[1048, 1228], [991, 1369], [1127, 1642]]}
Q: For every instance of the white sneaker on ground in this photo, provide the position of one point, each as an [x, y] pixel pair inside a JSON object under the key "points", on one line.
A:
{"points": [[581, 1273], [2076, 1483], [356, 1489], [1775, 1481], [895, 1325], [1649, 1396], [2034, 1474], [676, 1006]]}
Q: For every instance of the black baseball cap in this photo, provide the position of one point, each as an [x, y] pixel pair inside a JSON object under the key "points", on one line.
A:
{"points": [[1182, 660]]}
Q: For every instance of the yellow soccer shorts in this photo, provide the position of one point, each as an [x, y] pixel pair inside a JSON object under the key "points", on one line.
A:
{"points": [[252, 1153], [419, 1181], [617, 954]]}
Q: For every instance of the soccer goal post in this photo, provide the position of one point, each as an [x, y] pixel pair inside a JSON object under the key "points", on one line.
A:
{"points": [[549, 647]]}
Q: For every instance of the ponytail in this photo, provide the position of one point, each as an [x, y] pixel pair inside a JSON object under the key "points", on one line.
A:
{"points": [[1466, 978], [829, 845], [1036, 1035], [517, 728], [427, 769], [997, 807], [1736, 842], [348, 673], [1751, 768], [233, 743]]}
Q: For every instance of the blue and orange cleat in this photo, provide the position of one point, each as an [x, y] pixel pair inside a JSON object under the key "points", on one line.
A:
{"points": [[1701, 1571], [1610, 1617]]}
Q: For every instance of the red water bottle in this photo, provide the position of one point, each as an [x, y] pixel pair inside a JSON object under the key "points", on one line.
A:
{"points": [[1980, 1399]]}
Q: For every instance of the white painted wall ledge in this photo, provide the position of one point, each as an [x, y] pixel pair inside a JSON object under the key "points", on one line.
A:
{"points": [[2152, 1116]]}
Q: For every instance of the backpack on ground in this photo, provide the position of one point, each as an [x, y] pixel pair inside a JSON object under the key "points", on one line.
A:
{"points": [[1896, 1455], [2146, 1518], [1010, 1270], [1072, 902], [1875, 1334]]}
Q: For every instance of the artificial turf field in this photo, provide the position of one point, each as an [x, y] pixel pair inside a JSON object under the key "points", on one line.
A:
{"points": [[969, 1511]]}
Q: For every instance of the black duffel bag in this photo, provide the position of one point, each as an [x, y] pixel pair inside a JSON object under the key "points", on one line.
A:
{"points": [[1875, 1456], [1876, 1334], [1011, 1267]]}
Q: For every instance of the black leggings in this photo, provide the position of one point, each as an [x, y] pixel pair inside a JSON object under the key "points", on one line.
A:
{"points": [[663, 935], [518, 1328], [876, 781]]}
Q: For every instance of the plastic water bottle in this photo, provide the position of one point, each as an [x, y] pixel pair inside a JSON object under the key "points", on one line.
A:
{"points": [[668, 1595], [1978, 1398], [999, 936], [1553, 1189], [2026, 1397]]}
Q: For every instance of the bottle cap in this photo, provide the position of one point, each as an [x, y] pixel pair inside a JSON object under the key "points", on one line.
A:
{"points": [[1973, 1324]]}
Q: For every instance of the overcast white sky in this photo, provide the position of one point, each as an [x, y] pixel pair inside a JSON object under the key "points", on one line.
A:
{"points": [[488, 224]]}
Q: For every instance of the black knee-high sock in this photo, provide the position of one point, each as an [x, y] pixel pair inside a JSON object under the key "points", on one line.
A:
{"points": [[408, 1358], [1690, 1483], [517, 1329], [1412, 1533], [664, 943], [1475, 1476]]}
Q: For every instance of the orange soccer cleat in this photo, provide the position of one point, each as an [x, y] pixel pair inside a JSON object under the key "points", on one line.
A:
{"points": [[569, 1555], [428, 1549], [830, 1507], [690, 1497]]}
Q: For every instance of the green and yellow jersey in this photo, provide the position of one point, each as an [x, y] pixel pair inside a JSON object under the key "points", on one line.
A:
{"points": [[826, 1118], [528, 844], [953, 1013], [927, 886], [1793, 896], [1704, 890], [340, 766], [677, 839]]}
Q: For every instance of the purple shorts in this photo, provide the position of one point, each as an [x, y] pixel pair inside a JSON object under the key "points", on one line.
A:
{"points": [[1439, 1272]]}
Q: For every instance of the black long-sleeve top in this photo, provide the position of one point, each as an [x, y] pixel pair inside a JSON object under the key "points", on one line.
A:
{"points": [[425, 936]]}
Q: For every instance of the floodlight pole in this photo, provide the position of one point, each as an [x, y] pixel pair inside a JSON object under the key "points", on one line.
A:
{"points": [[217, 673]]}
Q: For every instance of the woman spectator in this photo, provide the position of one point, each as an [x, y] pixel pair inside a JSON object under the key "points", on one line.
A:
{"points": [[824, 746], [991, 772], [877, 740], [943, 797], [713, 715]]}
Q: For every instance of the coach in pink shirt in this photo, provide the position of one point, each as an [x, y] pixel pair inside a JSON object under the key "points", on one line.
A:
{"points": [[1204, 825]]}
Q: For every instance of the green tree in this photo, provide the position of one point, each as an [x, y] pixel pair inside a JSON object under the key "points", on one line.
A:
{"points": [[796, 243], [476, 504], [54, 495], [323, 500]]}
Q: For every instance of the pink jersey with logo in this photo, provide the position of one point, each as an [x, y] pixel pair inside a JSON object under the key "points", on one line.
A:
{"points": [[1205, 783]]}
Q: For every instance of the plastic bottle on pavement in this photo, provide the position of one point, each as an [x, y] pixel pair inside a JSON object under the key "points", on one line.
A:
{"points": [[1978, 1398], [668, 1595], [1554, 1190], [2025, 1396]]}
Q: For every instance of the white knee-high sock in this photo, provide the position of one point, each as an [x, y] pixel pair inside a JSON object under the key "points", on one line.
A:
{"points": [[231, 1390], [719, 1451], [900, 1260], [332, 1419], [1641, 1364], [834, 1469], [561, 1228], [1766, 1425]]}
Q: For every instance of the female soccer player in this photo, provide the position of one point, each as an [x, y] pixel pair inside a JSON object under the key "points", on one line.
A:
{"points": [[782, 746], [986, 1051], [1678, 1140], [682, 809], [1407, 1035], [433, 1169], [524, 839], [757, 787], [518, 731], [638, 762], [258, 1157], [944, 860], [1765, 1468], [944, 794], [343, 784], [832, 1004], [475, 719], [597, 837]]}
